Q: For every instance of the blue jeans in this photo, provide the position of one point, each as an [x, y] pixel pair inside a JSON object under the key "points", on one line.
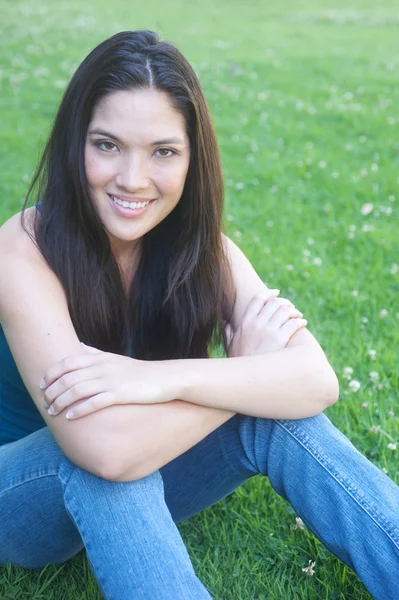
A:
{"points": [[50, 509]]}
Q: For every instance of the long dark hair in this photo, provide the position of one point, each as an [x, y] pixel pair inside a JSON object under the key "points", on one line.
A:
{"points": [[182, 289]]}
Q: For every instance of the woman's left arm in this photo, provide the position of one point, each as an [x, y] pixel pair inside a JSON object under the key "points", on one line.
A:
{"points": [[294, 382]]}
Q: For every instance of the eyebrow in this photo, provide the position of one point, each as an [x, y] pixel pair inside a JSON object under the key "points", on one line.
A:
{"points": [[172, 140]]}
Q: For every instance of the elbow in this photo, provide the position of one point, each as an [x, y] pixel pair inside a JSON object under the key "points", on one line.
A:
{"points": [[328, 387]]}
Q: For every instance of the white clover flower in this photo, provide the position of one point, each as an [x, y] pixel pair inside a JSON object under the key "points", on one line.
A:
{"points": [[238, 234], [317, 261], [367, 208], [391, 446], [374, 167], [375, 428], [290, 267], [354, 385], [383, 313], [239, 186], [299, 524], [309, 570], [365, 405], [372, 354], [348, 372], [322, 164], [373, 376], [394, 269], [391, 198], [366, 227], [354, 293], [391, 413]]}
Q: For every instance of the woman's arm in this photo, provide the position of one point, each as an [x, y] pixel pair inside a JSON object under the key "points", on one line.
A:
{"points": [[294, 382], [119, 443], [288, 383]]}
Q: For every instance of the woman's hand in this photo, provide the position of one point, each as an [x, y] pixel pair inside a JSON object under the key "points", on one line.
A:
{"points": [[267, 325], [96, 380]]}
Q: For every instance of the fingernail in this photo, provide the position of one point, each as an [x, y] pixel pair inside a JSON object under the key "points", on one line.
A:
{"points": [[51, 410], [70, 414], [42, 384]]}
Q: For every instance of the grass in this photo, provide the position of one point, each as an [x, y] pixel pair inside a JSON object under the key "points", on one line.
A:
{"points": [[304, 99]]}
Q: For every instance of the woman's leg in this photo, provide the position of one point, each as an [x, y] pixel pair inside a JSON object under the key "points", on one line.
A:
{"points": [[50, 509], [349, 504]]}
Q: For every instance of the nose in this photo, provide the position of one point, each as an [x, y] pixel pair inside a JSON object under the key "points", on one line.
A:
{"points": [[133, 174]]}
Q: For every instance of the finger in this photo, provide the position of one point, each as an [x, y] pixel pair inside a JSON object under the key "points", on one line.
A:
{"points": [[67, 381], [69, 364], [80, 391], [272, 306], [91, 350], [257, 302], [91, 405], [283, 314], [291, 327]]}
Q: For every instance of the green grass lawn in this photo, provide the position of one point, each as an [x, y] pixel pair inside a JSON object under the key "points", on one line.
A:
{"points": [[305, 101]]}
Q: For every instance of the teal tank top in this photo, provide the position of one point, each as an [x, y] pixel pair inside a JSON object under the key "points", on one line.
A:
{"points": [[18, 413]]}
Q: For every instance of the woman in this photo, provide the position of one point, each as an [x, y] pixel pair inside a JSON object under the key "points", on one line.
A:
{"points": [[115, 423]]}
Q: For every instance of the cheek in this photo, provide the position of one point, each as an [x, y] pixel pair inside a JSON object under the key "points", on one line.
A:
{"points": [[97, 171], [172, 183]]}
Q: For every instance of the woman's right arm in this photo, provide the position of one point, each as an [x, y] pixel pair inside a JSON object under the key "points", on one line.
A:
{"points": [[119, 443]]}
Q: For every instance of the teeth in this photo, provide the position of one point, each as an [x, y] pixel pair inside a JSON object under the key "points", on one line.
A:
{"points": [[126, 204]]}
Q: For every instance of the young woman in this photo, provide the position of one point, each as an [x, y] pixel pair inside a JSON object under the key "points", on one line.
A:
{"points": [[115, 424]]}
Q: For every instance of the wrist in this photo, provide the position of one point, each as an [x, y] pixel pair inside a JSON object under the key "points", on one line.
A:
{"points": [[180, 378]]}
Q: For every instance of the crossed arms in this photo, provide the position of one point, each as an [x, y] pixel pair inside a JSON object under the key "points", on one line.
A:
{"points": [[122, 442]]}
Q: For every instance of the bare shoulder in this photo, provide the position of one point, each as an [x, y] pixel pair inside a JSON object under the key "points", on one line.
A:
{"points": [[243, 271], [247, 282], [17, 240]]}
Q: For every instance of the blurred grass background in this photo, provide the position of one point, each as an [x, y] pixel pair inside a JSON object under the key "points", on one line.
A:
{"points": [[305, 102]]}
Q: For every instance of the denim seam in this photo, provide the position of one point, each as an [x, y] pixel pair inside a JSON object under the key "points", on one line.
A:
{"points": [[353, 492], [74, 512], [37, 477]]}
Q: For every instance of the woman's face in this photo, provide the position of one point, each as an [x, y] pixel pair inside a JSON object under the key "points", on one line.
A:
{"points": [[137, 155]]}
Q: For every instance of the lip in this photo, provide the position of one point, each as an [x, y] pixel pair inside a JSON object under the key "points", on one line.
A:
{"points": [[129, 213]]}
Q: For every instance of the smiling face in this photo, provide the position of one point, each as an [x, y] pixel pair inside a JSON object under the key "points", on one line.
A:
{"points": [[137, 154]]}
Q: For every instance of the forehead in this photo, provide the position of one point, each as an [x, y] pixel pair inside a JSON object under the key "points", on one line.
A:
{"points": [[146, 113]]}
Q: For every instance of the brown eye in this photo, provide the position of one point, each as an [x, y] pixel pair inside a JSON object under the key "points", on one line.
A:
{"points": [[165, 152], [107, 146]]}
